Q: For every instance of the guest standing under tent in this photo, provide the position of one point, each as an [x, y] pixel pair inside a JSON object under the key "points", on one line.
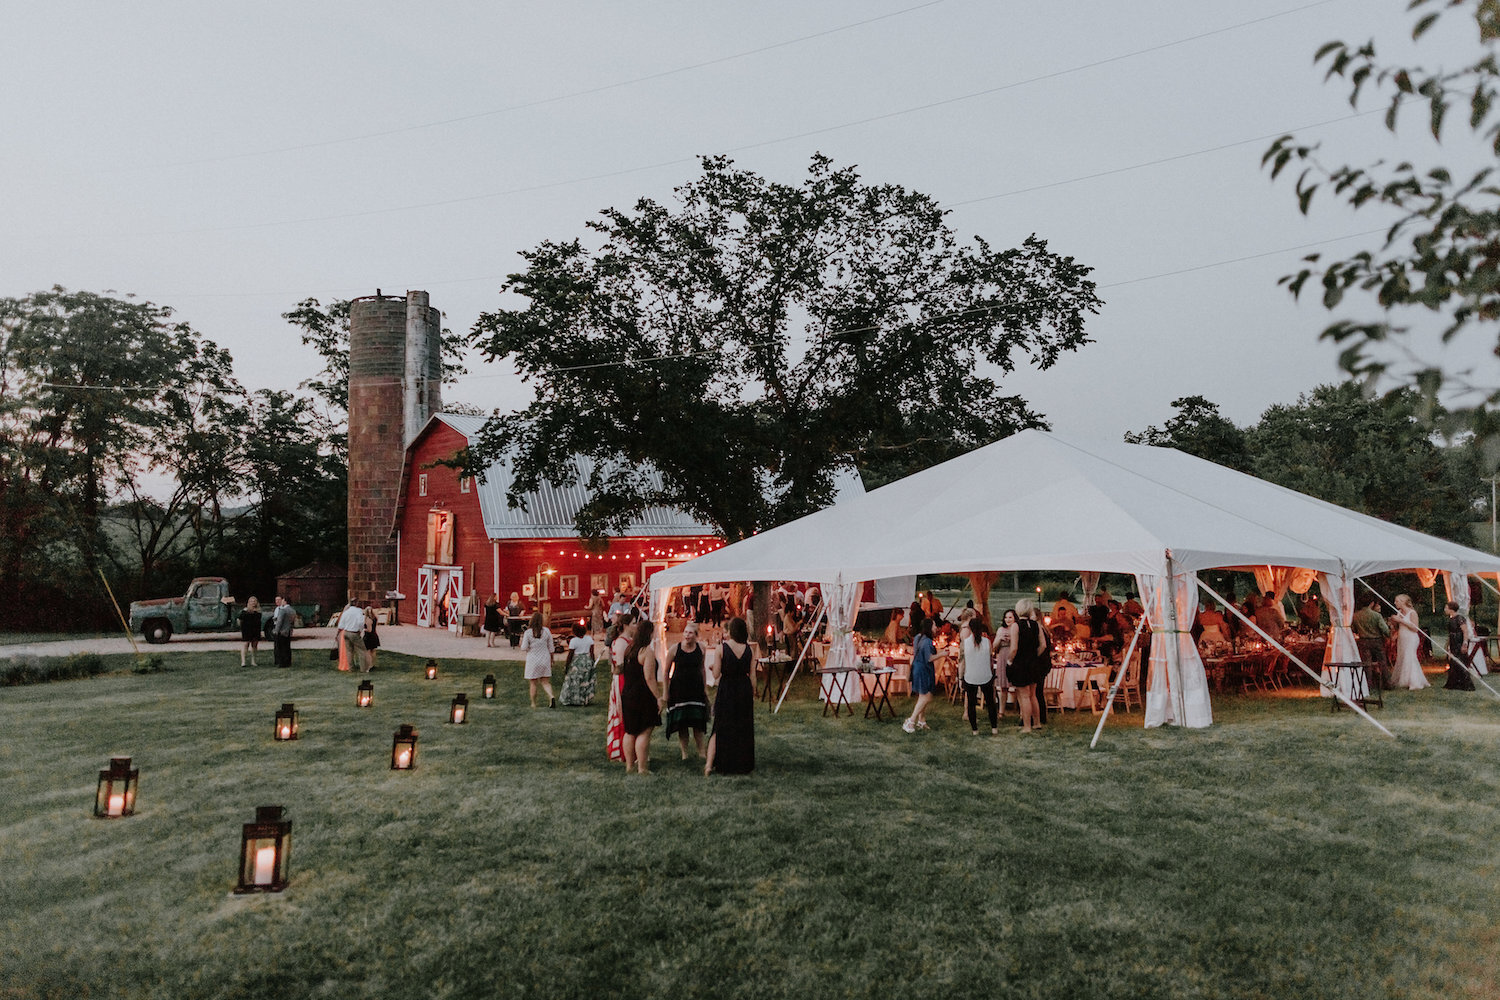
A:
{"points": [[536, 643], [687, 699], [1408, 670], [979, 676], [1004, 646], [1460, 650], [1027, 668], [731, 744], [578, 681], [640, 700]]}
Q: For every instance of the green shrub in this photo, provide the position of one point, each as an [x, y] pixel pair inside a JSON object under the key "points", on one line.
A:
{"points": [[43, 670]]}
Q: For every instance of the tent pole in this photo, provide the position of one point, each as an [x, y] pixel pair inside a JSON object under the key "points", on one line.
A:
{"points": [[1174, 651], [1446, 651], [1288, 654], [822, 607], [1124, 664]]}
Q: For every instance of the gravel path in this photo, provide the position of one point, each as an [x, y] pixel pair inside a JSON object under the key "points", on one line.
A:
{"points": [[437, 643]]}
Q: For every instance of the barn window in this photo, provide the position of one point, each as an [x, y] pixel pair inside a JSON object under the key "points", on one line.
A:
{"points": [[599, 583], [463, 483], [569, 587], [422, 485]]}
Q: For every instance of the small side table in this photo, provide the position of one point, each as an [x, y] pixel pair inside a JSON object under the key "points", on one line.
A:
{"points": [[832, 681], [879, 700]]}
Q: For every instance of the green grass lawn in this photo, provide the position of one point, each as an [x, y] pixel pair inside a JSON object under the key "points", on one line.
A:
{"points": [[1285, 852]]}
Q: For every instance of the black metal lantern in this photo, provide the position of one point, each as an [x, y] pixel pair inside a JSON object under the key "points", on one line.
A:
{"points": [[489, 685], [364, 695], [264, 847], [458, 712], [116, 795], [404, 749], [432, 670], [286, 722]]}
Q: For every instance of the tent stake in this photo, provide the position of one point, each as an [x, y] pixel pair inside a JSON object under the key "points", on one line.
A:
{"points": [[1446, 652], [1288, 654], [1109, 703]]}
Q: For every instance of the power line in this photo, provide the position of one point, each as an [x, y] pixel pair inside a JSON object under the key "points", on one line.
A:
{"points": [[914, 109], [558, 98], [839, 333]]}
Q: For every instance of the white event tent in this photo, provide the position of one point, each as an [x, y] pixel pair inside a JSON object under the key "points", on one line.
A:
{"points": [[1042, 501]]}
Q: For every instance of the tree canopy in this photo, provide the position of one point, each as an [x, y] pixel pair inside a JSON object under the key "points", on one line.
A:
{"points": [[1373, 454], [1441, 255], [756, 337]]}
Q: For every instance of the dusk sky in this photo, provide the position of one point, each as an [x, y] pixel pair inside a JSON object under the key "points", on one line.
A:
{"points": [[228, 161]]}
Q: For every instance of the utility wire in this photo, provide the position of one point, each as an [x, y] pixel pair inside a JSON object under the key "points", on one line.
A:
{"points": [[914, 109], [557, 98]]}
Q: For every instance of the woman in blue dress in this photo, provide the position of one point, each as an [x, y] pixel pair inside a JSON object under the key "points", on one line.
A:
{"points": [[923, 676]]}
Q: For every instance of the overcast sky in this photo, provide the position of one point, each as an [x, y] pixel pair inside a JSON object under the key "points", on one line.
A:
{"points": [[230, 160]]}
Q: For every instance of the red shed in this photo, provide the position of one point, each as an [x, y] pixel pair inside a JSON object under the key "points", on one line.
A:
{"points": [[456, 536]]}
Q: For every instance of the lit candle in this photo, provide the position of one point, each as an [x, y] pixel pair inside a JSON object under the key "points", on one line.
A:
{"points": [[458, 713], [117, 804], [403, 758], [286, 732], [265, 865]]}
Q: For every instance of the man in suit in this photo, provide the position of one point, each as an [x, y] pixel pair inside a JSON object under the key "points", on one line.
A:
{"points": [[281, 632]]}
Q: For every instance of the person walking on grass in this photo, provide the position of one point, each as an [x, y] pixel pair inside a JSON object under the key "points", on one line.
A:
{"points": [[1460, 650], [979, 675], [923, 675], [640, 699], [536, 643], [351, 637], [687, 698], [250, 631]]}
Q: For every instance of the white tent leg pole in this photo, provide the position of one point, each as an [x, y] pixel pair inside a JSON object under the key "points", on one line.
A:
{"points": [[1109, 702], [800, 657], [1332, 689], [1420, 631]]}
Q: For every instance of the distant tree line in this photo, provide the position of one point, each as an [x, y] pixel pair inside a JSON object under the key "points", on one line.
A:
{"points": [[1378, 455]]}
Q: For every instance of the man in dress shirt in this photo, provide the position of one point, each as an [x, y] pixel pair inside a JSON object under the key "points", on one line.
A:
{"points": [[1370, 632], [1270, 617], [281, 633], [351, 631]]}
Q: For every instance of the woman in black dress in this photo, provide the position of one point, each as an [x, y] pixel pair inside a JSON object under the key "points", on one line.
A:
{"points": [[687, 698], [640, 699], [250, 631], [1027, 666], [492, 623], [731, 745]]}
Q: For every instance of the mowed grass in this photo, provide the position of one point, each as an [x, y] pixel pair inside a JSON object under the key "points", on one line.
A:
{"points": [[1285, 852]]}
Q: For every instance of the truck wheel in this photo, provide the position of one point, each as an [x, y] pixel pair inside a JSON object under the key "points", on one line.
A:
{"points": [[158, 630]]}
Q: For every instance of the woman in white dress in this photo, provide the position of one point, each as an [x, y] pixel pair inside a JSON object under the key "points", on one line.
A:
{"points": [[1408, 670], [536, 643]]}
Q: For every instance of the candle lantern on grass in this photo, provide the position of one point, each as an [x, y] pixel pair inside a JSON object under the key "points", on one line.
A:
{"points": [[458, 712], [264, 847], [404, 749], [432, 670], [364, 695], [489, 685], [116, 795], [286, 722]]}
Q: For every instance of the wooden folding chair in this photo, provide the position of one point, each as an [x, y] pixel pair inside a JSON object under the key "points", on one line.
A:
{"points": [[1052, 691], [1130, 687]]}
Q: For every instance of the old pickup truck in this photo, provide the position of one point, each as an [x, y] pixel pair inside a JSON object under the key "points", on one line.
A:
{"points": [[207, 607]]}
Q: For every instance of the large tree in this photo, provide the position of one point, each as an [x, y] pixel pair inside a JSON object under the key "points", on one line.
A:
{"points": [[1441, 254], [756, 337], [91, 388]]}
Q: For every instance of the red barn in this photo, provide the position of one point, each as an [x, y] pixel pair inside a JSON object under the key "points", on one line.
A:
{"points": [[456, 536]]}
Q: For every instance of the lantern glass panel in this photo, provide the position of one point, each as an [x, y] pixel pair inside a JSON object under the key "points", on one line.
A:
{"points": [[404, 749], [286, 723], [265, 847], [459, 710], [364, 696]]}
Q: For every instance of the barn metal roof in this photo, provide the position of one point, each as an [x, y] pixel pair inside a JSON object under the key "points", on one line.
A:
{"points": [[549, 512]]}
